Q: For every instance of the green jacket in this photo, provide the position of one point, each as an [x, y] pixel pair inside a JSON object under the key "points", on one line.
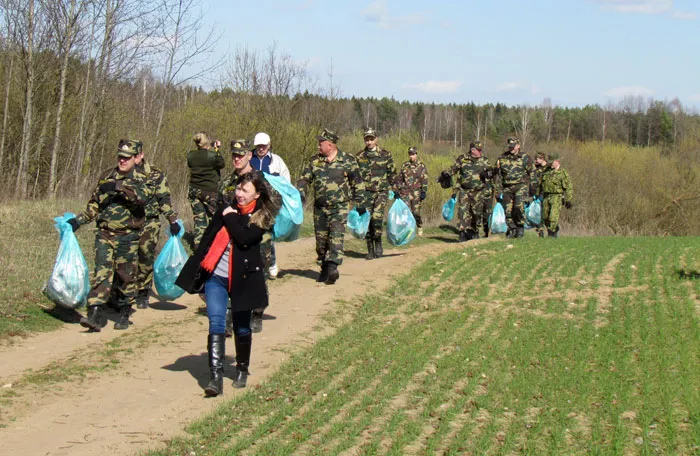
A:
{"points": [[413, 177], [377, 169], [555, 182], [335, 183], [514, 169], [469, 170], [205, 169], [157, 191]]}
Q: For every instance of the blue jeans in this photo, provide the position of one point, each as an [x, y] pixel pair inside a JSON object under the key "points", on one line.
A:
{"points": [[216, 294]]}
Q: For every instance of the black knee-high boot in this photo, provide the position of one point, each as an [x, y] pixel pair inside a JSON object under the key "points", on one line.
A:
{"points": [[216, 346], [243, 345]]}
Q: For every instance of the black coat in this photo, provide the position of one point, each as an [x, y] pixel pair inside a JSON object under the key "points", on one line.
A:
{"points": [[248, 290]]}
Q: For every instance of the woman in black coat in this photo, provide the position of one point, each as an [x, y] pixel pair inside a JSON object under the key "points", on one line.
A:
{"points": [[228, 264]]}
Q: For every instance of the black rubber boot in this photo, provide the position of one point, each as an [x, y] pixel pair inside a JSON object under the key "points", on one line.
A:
{"points": [[94, 320], [324, 273], [370, 250], [243, 346], [216, 346], [378, 250], [333, 273], [463, 236], [520, 232], [551, 233], [256, 322], [123, 321]]}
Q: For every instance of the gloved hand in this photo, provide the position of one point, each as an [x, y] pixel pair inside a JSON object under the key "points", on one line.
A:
{"points": [[361, 210], [568, 204], [422, 196], [174, 228], [445, 180], [499, 199], [73, 224], [108, 187], [485, 175], [454, 196]]}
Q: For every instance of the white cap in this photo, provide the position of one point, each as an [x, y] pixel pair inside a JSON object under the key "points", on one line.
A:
{"points": [[261, 139]]}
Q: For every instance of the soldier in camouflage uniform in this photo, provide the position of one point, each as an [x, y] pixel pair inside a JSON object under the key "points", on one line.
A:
{"points": [[157, 203], [379, 176], [541, 167], [471, 171], [118, 205], [205, 165], [413, 185], [336, 181], [556, 189], [514, 169]]}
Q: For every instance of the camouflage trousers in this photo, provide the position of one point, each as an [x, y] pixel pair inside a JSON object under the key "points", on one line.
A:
{"points": [[116, 268], [329, 228], [414, 202], [551, 207], [488, 210], [376, 206], [513, 201], [147, 255], [470, 210], [204, 206]]}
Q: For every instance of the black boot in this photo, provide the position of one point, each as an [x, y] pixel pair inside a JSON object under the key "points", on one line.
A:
{"points": [[486, 231], [324, 272], [256, 321], [243, 345], [511, 233], [94, 320], [142, 300], [123, 321], [370, 250], [520, 232], [551, 233], [333, 273], [463, 236], [216, 346], [378, 250], [470, 235]]}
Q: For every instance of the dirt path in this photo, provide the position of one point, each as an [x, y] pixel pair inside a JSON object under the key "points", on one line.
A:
{"points": [[157, 389]]}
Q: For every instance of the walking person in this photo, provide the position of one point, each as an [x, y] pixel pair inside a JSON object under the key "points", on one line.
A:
{"points": [[556, 189], [514, 169], [335, 179], [265, 160], [229, 262], [541, 167], [413, 185], [379, 175], [205, 164], [158, 203], [117, 204]]}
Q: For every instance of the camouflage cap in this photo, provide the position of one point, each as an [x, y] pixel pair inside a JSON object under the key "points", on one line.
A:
{"points": [[541, 155], [553, 156], [239, 147], [476, 145], [370, 133], [512, 142], [327, 135], [412, 150], [129, 148]]}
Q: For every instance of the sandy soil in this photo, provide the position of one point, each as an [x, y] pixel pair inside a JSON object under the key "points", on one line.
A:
{"points": [[157, 390]]}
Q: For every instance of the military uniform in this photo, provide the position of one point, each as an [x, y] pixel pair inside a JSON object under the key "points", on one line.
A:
{"points": [[413, 186], [556, 189], [205, 172], [514, 170], [157, 202], [118, 205], [537, 173], [471, 174], [336, 184]]}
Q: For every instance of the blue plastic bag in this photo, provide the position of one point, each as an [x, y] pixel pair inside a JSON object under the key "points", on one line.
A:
{"points": [[448, 209], [291, 216], [497, 223], [533, 213], [69, 283], [168, 266], [401, 226], [358, 224]]}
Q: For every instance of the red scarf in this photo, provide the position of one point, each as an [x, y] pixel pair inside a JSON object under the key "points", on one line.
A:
{"points": [[221, 241]]}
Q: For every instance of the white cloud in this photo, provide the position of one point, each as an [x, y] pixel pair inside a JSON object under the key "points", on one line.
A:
{"points": [[378, 13], [638, 6], [629, 91], [517, 87], [435, 87], [684, 15]]}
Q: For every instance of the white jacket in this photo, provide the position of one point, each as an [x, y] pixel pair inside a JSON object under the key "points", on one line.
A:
{"points": [[277, 165]]}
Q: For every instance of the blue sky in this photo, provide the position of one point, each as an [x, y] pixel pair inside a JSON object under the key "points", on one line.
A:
{"points": [[575, 52]]}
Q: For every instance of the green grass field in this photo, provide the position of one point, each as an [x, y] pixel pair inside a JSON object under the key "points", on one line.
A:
{"points": [[573, 346]]}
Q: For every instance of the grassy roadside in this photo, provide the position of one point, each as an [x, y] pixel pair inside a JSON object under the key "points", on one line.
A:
{"points": [[588, 347]]}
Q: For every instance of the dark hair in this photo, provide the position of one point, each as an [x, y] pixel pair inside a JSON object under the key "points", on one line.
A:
{"points": [[269, 202]]}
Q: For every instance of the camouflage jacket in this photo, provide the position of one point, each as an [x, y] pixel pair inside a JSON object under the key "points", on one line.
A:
{"points": [[468, 171], [120, 211], [157, 192], [334, 183], [514, 169], [413, 177], [377, 169], [535, 177], [556, 182], [227, 188]]}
